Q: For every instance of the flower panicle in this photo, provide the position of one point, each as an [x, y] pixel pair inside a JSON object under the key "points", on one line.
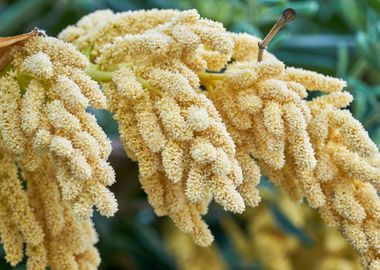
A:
{"points": [[186, 156], [312, 149]]}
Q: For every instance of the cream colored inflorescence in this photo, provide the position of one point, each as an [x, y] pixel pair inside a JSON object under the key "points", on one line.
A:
{"points": [[264, 107], [349, 172], [44, 97], [38, 218], [53, 158], [311, 149], [152, 63], [185, 154]]}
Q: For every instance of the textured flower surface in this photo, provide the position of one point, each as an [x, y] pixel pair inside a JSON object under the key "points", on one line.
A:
{"points": [[186, 156], [201, 116], [44, 96], [53, 157], [312, 149], [40, 219]]}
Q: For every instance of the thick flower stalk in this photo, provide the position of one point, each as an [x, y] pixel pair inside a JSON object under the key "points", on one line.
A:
{"points": [[44, 94], [310, 149], [40, 219], [185, 155]]}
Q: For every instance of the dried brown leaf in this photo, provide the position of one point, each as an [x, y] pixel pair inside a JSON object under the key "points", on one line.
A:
{"points": [[7, 43]]}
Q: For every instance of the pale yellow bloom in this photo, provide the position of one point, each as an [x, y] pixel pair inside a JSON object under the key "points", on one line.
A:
{"points": [[154, 61], [256, 102], [314, 81], [44, 98], [101, 27], [14, 199], [311, 149], [189, 256], [37, 217], [348, 172], [66, 237], [184, 151], [11, 238], [38, 65]]}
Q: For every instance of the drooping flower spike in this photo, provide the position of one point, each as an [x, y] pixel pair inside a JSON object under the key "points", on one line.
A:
{"points": [[263, 103], [311, 149], [192, 146], [44, 96], [53, 157], [185, 155], [38, 218]]}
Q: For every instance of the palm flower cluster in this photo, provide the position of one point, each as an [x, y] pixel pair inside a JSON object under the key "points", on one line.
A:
{"points": [[185, 155], [348, 170], [53, 157], [39, 219], [263, 104], [204, 112], [44, 96], [312, 149]]}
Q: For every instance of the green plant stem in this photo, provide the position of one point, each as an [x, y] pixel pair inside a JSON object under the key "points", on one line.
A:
{"points": [[148, 86], [210, 76], [104, 76], [98, 75]]}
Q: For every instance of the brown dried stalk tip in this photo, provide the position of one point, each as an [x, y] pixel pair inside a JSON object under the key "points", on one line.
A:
{"points": [[6, 43], [287, 15]]}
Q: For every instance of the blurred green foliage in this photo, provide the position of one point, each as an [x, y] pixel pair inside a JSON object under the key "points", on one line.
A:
{"points": [[339, 38]]}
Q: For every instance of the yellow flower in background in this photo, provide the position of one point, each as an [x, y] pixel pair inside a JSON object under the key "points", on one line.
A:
{"points": [[264, 242], [188, 255]]}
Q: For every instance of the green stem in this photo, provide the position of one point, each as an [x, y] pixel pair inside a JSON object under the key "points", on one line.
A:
{"points": [[104, 76], [98, 75], [210, 76], [6, 69], [23, 81], [148, 86], [87, 52]]}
